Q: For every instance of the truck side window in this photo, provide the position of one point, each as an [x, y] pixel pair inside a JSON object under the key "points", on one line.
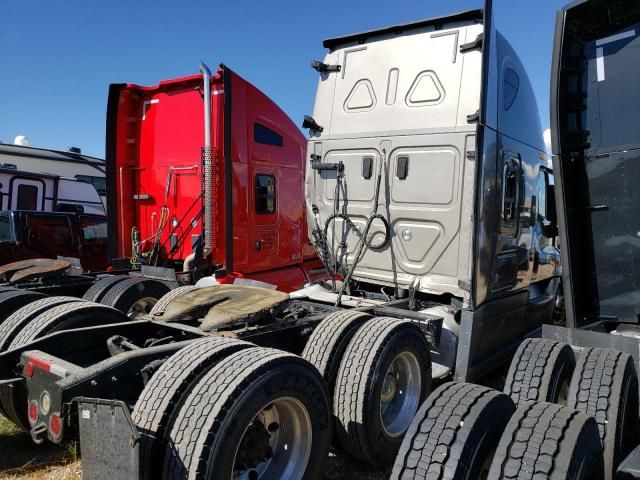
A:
{"points": [[511, 194], [27, 197], [510, 86], [45, 230], [94, 230], [266, 136], [265, 194], [100, 183], [542, 196]]}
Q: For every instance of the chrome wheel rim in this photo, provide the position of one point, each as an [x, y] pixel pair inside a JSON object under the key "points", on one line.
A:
{"points": [[142, 307], [276, 443], [400, 395]]}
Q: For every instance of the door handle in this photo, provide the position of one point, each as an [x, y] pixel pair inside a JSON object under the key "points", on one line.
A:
{"points": [[367, 167], [402, 168], [258, 245]]}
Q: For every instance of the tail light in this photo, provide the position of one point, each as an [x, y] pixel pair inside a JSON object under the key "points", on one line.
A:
{"points": [[33, 413]]}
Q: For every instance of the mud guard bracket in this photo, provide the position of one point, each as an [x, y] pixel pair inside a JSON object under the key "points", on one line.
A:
{"points": [[109, 440]]}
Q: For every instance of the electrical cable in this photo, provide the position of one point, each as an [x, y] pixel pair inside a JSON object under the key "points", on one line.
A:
{"points": [[362, 240]]}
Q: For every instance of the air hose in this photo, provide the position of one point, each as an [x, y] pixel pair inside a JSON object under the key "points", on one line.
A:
{"points": [[363, 241]]}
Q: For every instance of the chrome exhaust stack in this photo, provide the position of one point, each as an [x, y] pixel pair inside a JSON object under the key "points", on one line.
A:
{"points": [[207, 172], [207, 163]]}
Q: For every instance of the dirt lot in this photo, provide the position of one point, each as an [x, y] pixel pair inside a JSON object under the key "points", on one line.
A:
{"points": [[22, 459]]}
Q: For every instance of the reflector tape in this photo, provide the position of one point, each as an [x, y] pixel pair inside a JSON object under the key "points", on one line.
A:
{"points": [[35, 362]]}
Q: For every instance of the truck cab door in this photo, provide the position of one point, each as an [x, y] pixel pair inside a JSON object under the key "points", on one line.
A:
{"points": [[265, 217]]}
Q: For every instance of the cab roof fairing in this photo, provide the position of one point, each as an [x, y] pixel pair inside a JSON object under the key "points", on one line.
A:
{"points": [[521, 120], [476, 15], [502, 55]]}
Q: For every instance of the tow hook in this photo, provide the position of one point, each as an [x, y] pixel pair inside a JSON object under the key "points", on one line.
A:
{"points": [[38, 433]]}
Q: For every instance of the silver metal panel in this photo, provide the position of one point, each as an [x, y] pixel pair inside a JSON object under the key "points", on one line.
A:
{"points": [[402, 99]]}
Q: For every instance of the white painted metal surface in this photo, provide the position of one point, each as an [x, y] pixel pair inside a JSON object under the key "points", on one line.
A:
{"points": [[402, 96]]}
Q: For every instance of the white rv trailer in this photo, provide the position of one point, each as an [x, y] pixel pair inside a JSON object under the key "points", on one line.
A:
{"points": [[70, 164], [20, 190]]}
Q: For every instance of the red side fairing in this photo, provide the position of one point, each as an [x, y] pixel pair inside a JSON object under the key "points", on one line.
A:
{"points": [[263, 241]]}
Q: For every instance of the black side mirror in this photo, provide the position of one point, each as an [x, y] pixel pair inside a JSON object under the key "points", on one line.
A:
{"points": [[311, 124]]}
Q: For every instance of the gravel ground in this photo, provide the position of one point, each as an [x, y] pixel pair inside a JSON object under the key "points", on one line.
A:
{"points": [[22, 459], [341, 467]]}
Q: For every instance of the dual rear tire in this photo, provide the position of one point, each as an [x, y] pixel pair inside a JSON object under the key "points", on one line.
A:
{"points": [[41, 318], [586, 439], [221, 408], [133, 296], [378, 371], [468, 432], [602, 384]]}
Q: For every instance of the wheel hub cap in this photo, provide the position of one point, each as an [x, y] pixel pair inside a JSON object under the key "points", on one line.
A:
{"points": [[400, 395], [276, 444]]}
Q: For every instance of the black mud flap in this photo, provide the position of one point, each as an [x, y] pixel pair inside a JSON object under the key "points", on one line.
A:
{"points": [[108, 440]]}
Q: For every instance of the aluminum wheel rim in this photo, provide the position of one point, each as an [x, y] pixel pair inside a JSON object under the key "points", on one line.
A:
{"points": [[400, 394], [142, 307], [288, 424]]}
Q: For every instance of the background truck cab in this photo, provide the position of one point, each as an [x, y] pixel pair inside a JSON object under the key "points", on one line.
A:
{"points": [[241, 212]]}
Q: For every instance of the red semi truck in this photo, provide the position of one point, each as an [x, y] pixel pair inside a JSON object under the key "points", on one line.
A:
{"points": [[234, 205]]}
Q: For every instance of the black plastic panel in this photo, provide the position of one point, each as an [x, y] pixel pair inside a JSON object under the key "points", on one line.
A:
{"points": [[596, 141]]}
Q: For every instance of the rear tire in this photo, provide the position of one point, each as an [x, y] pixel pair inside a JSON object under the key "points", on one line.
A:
{"points": [[326, 346], [548, 441], [135, 296], [12, 300], [65, 317], [23, 316], [540, 371], [328, 342], [384, 376], [454, 434], [161, 305], [100, 288], [62, 317], [156, 408], [266, 412], [605, 386]]}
